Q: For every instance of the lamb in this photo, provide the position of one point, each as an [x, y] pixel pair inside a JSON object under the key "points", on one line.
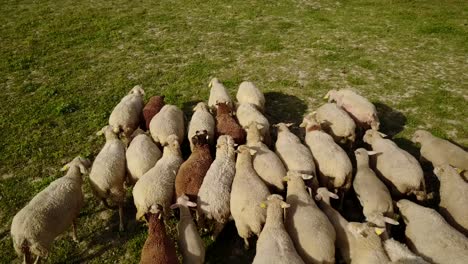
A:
{"points": [[218, 94], [440, 151], [265, 162], [274, 244], [190, 242], [226, 124], [169, 121], [334, 166], [372, 193], [248, 191], [201, 120], [191, 173], [358, 107], [397, 167], [157, 185], [248, 113], [249, 93], [214, 194], [357, 242], [430, 236], [108, 172], [151, 108], [311, 231], [400, 254], [336, 122], [126, 115], [159, 247], [453, 197], [51, 212], [142, 154]]}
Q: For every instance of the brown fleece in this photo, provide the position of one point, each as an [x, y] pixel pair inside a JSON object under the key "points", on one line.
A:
{"points": [[192, 172], [158, 248], [227, 125], [153, 107]]}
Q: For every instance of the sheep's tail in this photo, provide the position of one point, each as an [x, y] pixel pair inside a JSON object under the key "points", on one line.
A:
{"points": [[25, 250]]}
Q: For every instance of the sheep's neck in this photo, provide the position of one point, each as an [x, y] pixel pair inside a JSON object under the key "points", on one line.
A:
{"points": [[362, 162], [74, 173], [156, 226], [313, 128], [274, 216], [184, 212], [244, 159], [171, 152], [202, 150], [298, 189]]}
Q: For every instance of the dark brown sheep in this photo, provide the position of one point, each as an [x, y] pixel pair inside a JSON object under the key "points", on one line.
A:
{"points": [[226, 124], [191, 173], [158, 248], [153, 107]]}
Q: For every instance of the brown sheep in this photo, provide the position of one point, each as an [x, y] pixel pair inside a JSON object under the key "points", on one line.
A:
{"points": [[158, 248], [192, 172], [226, 124], [153, 107]]}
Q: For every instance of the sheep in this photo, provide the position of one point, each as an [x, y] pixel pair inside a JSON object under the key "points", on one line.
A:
{"points": [[170, 120], [400, 254], [453, 197], [430, 236], [334, 166], [249, 93], [201, 120], [191, 173], [51, 212], [311, 231], [274, 244], [214, 194], [156, 186], [159, 247], [142, 154], [151, 108], [108, 172], [336, 122], [247, 113], [372, 193], [226, 124], [248, 191], [218, 94], [397, 167], [265, 162], [127, 113], [357, 242], [439, 151], [359, 108], [190, 242]]}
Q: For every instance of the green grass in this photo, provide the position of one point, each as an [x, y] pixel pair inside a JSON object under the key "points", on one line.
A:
{"points": [[65, 64]]}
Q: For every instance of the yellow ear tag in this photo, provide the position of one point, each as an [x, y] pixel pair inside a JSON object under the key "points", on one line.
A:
{"points": [[459, 171], [263, 205], [64, 168], [379, 231]]}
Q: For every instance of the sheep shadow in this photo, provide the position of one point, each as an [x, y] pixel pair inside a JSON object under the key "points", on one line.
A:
{"points": [[391, 121]]}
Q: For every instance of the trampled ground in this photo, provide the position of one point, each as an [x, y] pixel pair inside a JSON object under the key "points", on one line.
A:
{"points": [[65, 64]]}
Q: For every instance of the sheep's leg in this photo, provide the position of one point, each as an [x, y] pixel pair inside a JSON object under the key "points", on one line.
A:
{"points": [[38, 260], [246, 243], [121, 220], [217, 230], [74, 236], [104, 201]]}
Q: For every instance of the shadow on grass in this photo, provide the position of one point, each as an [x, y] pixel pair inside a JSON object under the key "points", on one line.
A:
{"points": [[391, 121]]}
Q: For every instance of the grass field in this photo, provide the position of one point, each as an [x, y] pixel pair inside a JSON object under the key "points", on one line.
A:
{"points": [[65, 64]]}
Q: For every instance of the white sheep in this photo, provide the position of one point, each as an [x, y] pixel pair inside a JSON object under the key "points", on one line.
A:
{"points": [[336, 122], [453, 197], [248, 113], [127, 113], [201, 120], [108, 172], [142, 154], [430, 236], [334, 166], [51, 212], [400, 254], [397, 167], [372, 193], [190, 243], [214, 194], [266, 163], [218, 94], [248, 192], [440, 151], [358, 107], [249, 93], [169, 121], [274, 244], [309, 228], [157, 185]]}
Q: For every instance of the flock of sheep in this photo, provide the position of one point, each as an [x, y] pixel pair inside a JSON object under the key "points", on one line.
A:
{"points": [[246, 181]]}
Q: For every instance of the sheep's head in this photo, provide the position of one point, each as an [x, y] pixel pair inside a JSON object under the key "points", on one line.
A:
{"points": [[275, 199], [362, 155], [223, 108], [184, 201], [445, 171], [253, 132], [375, 123], [309, 122], [200, 138], [137, 90], [202, 106], [109, 132], [154, 211], [80, 162], [294, 175], [213, 82], [283, 126], [330, 96], [363, 230], [378, 219], [324, 194], [420, 135], [172, 143], [409, 209], [243, 149], [157, 100]]}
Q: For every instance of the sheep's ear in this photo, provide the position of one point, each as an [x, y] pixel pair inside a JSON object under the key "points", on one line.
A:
{"points": [[252, 151], [263, 205], [235, 144], [459, 171], [307, 176], [83, 169], [327, 96], [174, 206], [259, 126], [382, 134], [309, 190], [275, 125], [286, 178], [371, 152], [289, 124], [99, 133], [390, 221], [333, 195], [379, 230], [65, 167], [303, 124], [191, 204], [210, 84], [285, 205]]}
